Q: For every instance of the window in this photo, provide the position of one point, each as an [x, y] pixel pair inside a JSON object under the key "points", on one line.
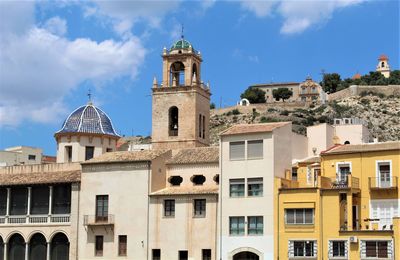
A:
{"points": [[101, 208], [169, 208], [302, 248], [173, 121], [204, 127], [40, 200], [183, 255], [299, 216], [254, 187], [200, 126], [338, 248], [109, 150], [3, 201], [343, 171], [255, 225], [199, 207], [236, 150], [294, 174], [122, 245], [19, 201], [31, 157], [68, 153], [384, 174], [255, 149], [206, 254], [89, 152], [156, 254], [99, 246], [175, 180], [377, 249], [198, 179], [236, 226], [236, 188], [216, 178], [61, 199]]}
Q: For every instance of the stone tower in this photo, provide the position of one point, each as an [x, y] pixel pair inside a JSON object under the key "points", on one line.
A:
{"points": [[181, 103], [383, 66]]}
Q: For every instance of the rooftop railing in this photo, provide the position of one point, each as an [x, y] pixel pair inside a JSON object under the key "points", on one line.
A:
{"points": [[383, 183]]}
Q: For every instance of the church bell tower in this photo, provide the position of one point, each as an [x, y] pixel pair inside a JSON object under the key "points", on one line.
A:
{"points": [[181, 103]]}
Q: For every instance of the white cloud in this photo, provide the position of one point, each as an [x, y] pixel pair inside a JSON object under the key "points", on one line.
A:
{"points": [[56, 25], [39, 68], [298, 16], [16, 17]]}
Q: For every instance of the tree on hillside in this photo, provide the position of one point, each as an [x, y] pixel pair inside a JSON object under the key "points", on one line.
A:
{"points": [[282, 93], [254, 95], [394, 78], [331, 82]]}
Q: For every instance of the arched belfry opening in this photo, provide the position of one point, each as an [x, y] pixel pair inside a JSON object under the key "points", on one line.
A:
{"points": [[173, 115], [177, 72], [195, 74]]}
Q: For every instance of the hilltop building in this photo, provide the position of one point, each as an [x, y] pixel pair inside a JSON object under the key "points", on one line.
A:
{"points": [[180, 198], [383, 66]]}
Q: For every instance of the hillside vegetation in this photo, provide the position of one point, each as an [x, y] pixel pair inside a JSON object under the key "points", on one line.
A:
{"points": [[380, 113]]}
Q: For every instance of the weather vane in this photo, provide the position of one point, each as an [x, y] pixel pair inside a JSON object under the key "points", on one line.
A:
{"points": [[182, 36], [89, 94]]}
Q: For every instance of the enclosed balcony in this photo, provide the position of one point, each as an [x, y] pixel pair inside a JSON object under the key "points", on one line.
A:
{"points": [[383, 183]]}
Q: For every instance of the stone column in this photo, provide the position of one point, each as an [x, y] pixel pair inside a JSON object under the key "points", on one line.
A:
{"points": [[8, 205], [26, 251], [48, 251], [50, 203], [28, 211], [5, 250]]}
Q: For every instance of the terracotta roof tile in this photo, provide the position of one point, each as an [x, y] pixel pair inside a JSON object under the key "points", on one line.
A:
{"points": [[253, 128], [356, 148], [196, 155], [10, 179], [126, 156], [186, 190]]}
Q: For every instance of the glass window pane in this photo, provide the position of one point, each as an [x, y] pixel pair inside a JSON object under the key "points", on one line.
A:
{"points": [[299, 216], [290, 216], [309, 213]]}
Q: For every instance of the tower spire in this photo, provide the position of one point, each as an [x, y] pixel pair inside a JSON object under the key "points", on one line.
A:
{"points": [[89, 94], [182, 35]]}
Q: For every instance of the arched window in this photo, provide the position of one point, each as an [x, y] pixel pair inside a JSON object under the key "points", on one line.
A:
{"points": [[173, 121], [194, 71], [177, 74], [1, 249], [175, 180], [347, 142], [16, 247], [246, 256], [216, 178], [59, 247], [382, 64], [38, 247], [198, 179]]}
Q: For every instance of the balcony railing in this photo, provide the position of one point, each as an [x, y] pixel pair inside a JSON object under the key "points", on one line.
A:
{"points": [[387, 183], [349, 182], [34, 219], [93, 220]]}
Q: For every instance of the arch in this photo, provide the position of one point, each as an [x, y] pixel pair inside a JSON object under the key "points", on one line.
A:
{"points": [[16, 247], [175, 180], [59, 247], [198, 179], [173, 122], [246, 253], [37, 247], [29, 237], [347, 142], [382, 64], [7, 238], [195, 71], [216, 178], [1, 248], [177, 74]]}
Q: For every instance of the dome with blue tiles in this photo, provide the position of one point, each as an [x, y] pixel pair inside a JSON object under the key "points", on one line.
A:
{"points": [[88, 119]]}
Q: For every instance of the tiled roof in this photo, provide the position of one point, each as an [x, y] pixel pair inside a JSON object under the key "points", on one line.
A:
{"points": [[7, 179], [277, 84], [252, 128], [315, 159], [196, 155], [88, 119], [127, 156], [371, 147], [178, 190]]}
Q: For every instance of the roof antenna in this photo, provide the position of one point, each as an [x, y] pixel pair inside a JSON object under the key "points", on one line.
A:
{"points": [[89, 94]]}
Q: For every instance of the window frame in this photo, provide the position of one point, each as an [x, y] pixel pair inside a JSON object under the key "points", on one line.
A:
{"points": [[389, 248], [102, 215], [169, 210], [99, 245], [156, 257], [87, 154], [295, 254], [121, 250], [240, 158], [248, 149], [255, 181], [258, 230], [238, 230], [237, 182], [199, 208], [206, 254], [295, 214], [331, 248]]}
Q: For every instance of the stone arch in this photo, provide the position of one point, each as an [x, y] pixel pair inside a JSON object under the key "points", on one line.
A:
{"points": [[244, 102], [16, 247], [177, 74], [37, 247], [1, 248], [7, 238], [55, 233], [173, 121], [236, 254], [29, 237], [59, 246]]}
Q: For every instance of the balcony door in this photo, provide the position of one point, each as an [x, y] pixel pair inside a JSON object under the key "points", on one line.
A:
{"points": [[101, 208], [384, 175], [344, 171]]}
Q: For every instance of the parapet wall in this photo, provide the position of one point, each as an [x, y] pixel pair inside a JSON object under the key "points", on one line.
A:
{"points": [[356, 90], [53, 167]]}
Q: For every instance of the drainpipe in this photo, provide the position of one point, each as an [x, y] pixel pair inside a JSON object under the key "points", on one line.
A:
{"points": [[220, 195], [148, 208], [277, 242]]}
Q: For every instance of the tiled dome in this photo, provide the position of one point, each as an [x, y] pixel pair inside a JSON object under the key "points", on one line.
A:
{"points": [[88, 119], [181, 44]]}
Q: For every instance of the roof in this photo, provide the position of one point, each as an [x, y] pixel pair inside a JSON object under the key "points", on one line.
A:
{"points": [[10, 179], [357, 148], [253, 128], [179, 190], [126, 156], [181, 44], [277, 84], [357, 76], [383, 57], [88, 119], [196, 155], [314, 159]]}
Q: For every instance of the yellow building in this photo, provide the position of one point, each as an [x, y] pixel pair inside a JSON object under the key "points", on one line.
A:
{"points": [[345, 207]]}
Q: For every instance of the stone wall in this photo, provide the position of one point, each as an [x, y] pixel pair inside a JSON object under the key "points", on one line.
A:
{"points": [[357, 90]]}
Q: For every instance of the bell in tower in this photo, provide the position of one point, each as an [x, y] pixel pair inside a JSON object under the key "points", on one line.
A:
{"points": [[181, 103]]}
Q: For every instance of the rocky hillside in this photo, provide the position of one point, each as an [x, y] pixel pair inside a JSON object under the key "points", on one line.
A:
{"points": [[380, 113]]}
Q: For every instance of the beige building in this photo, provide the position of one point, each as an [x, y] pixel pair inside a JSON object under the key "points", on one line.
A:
{"points": [[20, 155]]}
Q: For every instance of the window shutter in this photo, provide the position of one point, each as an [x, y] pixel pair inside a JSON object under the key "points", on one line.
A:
{"points": [[236, 150], [255, 149]]}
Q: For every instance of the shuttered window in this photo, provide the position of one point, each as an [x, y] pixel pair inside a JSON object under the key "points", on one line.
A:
{"points": [[122, 245], [236, 150], [199, 207], [299, 216], [302, 248], [255, 149]]}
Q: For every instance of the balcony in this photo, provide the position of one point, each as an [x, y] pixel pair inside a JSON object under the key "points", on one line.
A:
{"points": [[93, 220], [390, 183], [34, 219], [348, 183]]}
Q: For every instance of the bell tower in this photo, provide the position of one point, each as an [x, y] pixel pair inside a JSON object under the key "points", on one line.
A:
{"points": [[181, 103], [383, 66]]}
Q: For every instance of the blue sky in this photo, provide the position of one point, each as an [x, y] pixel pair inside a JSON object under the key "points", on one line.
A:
{"points": [[53, 52]]}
